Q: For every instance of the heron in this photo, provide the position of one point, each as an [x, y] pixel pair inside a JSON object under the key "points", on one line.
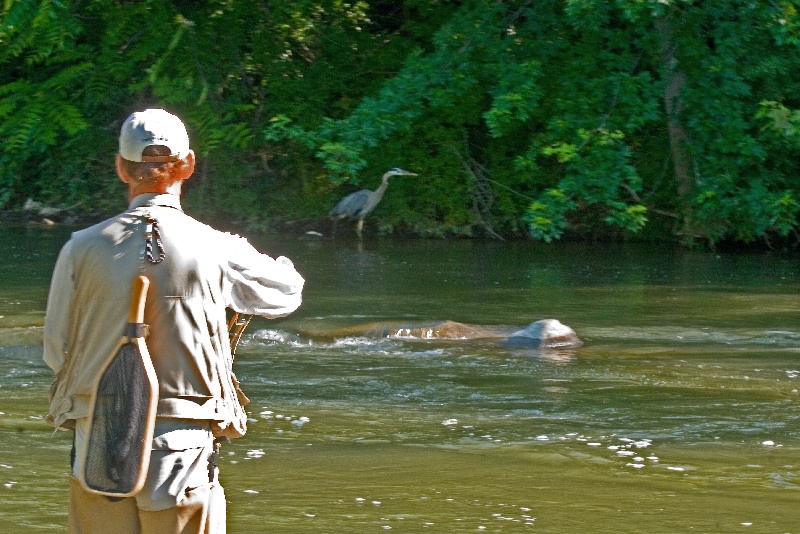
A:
{"points": [[361, 203]]}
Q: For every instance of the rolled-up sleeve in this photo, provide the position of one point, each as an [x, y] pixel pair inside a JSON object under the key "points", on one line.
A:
{"points": [[261, 285], [59, 301]]}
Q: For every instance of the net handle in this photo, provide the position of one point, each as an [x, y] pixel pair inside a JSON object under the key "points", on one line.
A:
{"points": [[138, 296], [236, 326]]}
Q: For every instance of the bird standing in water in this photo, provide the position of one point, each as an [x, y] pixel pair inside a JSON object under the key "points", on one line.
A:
{"points": [[361, 203]]}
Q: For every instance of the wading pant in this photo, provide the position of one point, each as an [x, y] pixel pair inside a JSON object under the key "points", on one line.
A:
{"points": [[177, 497], [201, 512]]}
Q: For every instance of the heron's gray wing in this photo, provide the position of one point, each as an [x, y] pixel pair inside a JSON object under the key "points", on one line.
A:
{"points": [[351, 205]]}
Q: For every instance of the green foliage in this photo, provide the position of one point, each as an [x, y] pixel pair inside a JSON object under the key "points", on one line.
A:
{"points": [[547, 217], [780, 120], [521, 117]]}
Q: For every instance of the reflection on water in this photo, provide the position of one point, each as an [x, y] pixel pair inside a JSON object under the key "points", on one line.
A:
{"points": [[678, 414]]}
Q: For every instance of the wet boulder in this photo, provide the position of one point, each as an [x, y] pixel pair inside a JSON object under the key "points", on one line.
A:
{"points": [[441, 330], [545, 334]]}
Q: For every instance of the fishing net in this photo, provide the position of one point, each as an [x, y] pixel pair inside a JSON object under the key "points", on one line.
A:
{"points": [[119, 427]]}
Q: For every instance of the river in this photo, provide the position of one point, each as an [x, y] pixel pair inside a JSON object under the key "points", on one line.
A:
{"points": [[679, 413]]}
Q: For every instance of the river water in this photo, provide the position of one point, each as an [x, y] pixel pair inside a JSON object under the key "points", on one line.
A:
{"points": [[679, 413]]}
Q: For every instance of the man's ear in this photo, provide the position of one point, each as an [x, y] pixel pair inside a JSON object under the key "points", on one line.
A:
{"points": [[121, 170], [187, 167]]}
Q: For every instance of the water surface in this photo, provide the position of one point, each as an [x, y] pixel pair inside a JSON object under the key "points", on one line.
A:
{"points": [[678, 414]]}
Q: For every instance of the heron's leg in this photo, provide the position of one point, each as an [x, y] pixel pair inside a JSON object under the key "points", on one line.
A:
{"points": [[360, 227]]}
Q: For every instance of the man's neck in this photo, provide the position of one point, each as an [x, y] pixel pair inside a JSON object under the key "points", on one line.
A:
{"points": [[134, 190]]}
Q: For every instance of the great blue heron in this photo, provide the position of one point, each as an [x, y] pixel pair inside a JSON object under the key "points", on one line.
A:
{"points": [[361, 203]]}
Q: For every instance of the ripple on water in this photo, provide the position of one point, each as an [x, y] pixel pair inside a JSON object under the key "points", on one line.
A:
{"points": [[677, 334]]}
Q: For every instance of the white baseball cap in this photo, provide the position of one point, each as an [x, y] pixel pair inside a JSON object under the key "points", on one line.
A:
{"points": [[153, 127]]}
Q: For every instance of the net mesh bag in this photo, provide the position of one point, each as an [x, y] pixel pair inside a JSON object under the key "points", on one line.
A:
{"points": [[119, 425]]}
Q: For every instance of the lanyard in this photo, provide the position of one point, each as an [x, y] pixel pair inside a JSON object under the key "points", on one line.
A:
{"points": [[152, 241]]}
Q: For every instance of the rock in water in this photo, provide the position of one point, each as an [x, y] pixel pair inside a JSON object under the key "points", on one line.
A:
{"points": [[545, 334], [440, 330]]}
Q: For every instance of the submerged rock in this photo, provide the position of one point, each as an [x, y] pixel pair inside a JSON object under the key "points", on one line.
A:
{"points": [[439, 330], [545, 334]]}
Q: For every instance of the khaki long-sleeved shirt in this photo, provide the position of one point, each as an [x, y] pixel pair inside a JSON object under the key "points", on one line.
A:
{"points": [[203, 272]]}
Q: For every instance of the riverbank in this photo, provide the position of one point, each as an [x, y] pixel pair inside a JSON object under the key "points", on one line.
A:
{"points": [[34, 214]]}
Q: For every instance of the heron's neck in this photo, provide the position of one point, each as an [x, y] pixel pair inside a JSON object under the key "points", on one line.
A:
{"points": [[384, 183]]}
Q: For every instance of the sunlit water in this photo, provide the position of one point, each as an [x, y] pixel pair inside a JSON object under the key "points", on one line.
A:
{"points": [[679, 414]]}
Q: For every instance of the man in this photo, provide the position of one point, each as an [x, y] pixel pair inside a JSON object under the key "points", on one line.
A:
{"points": [[195, 272]]}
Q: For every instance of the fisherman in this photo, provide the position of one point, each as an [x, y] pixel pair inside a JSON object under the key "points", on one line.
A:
{"points": [[195, 273]]}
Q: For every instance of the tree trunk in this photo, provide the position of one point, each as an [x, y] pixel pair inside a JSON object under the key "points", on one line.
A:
{"points": [[673, 105]]}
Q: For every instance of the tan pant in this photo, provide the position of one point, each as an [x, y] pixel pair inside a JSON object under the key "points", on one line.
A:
{"points": [[201, 512]]}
